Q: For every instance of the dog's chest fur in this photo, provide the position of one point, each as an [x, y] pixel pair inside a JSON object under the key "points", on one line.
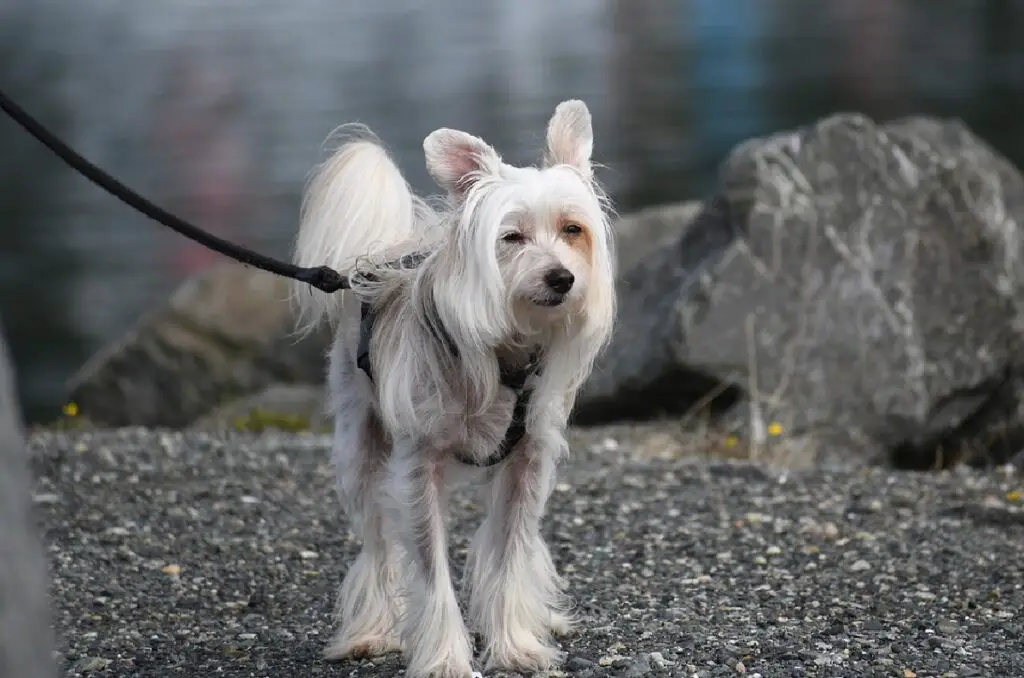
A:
{"points": [[450, 414], [475, 432]]}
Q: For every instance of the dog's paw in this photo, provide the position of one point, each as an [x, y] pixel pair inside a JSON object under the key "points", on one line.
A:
{"points": [[526, 655], [345, 646], [562, 624], [448, 666]]}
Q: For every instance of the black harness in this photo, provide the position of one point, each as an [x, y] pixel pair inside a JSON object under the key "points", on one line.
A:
{"points": [[513, 377]]}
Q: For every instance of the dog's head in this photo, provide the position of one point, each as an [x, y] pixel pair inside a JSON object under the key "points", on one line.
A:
{"points": [[529, 248]]}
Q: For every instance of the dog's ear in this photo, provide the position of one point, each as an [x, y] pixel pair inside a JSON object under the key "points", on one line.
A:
{"points": [[456, 159], [571, 136]]}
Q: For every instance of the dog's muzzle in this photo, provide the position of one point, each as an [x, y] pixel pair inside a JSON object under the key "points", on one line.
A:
{"points": [[558, 283]]}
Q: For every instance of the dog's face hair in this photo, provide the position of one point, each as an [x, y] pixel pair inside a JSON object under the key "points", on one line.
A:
{"points": [[529, 253]]}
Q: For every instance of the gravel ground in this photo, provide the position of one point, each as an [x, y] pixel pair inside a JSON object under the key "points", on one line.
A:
{"points": [[197, 555]]}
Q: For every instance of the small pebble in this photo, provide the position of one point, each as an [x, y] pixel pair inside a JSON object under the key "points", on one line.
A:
{"points": [[638, 667], [90, 664], [578, 664], [610, 444]]}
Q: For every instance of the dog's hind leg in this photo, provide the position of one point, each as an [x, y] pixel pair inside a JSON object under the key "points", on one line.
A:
{"points": [[368, 605]]}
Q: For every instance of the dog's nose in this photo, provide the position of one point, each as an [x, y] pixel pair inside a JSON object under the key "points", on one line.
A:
{"points": [[560, 279]]}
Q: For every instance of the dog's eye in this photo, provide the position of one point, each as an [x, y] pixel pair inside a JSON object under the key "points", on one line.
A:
{"points": [[572, 229], [514, 237]]}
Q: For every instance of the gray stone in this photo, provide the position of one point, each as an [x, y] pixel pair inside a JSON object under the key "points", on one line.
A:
{"points": [[224, 335], [224, 344], [637, 668], [640, 234], [25, 636], [856, 283], [643, 372]]}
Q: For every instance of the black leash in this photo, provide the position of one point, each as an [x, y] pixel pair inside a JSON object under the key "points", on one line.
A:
{"points": [[321, 277]]}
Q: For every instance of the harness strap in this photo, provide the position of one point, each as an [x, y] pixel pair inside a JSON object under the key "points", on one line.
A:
{"points": [[513, 434], [513, 378]]}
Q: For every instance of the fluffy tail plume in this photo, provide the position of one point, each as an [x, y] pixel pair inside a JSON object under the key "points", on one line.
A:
{"points": [[356, 205]]}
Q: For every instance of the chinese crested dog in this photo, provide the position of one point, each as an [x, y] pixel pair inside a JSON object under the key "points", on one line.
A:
{"points": [[457, 356]]}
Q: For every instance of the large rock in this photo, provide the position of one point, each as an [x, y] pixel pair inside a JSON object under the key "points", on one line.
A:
{"points": [[226, 334], [858, 284], [643, 374], [223, 346], [646, 231], [26, 642]]}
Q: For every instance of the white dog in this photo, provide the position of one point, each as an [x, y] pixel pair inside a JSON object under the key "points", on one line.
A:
{"points": [[457, 356]]}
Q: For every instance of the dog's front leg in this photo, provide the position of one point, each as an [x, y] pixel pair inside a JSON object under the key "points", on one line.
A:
{"points": [[435, 638], [515, 597]]}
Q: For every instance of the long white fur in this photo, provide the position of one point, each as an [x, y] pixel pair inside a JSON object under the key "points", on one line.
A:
{"points": [[395, 436]]}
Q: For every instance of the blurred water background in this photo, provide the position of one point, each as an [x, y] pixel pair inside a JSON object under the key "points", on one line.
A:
{"points": [[218, 110]]}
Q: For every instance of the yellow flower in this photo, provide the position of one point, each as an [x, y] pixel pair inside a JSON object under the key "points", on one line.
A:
{"points": [[732, 441], [775, 429], [71, 409], [1013, 495]]}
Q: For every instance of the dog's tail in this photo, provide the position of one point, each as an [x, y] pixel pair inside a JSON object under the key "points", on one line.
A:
{"points": [[357, 204]]}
